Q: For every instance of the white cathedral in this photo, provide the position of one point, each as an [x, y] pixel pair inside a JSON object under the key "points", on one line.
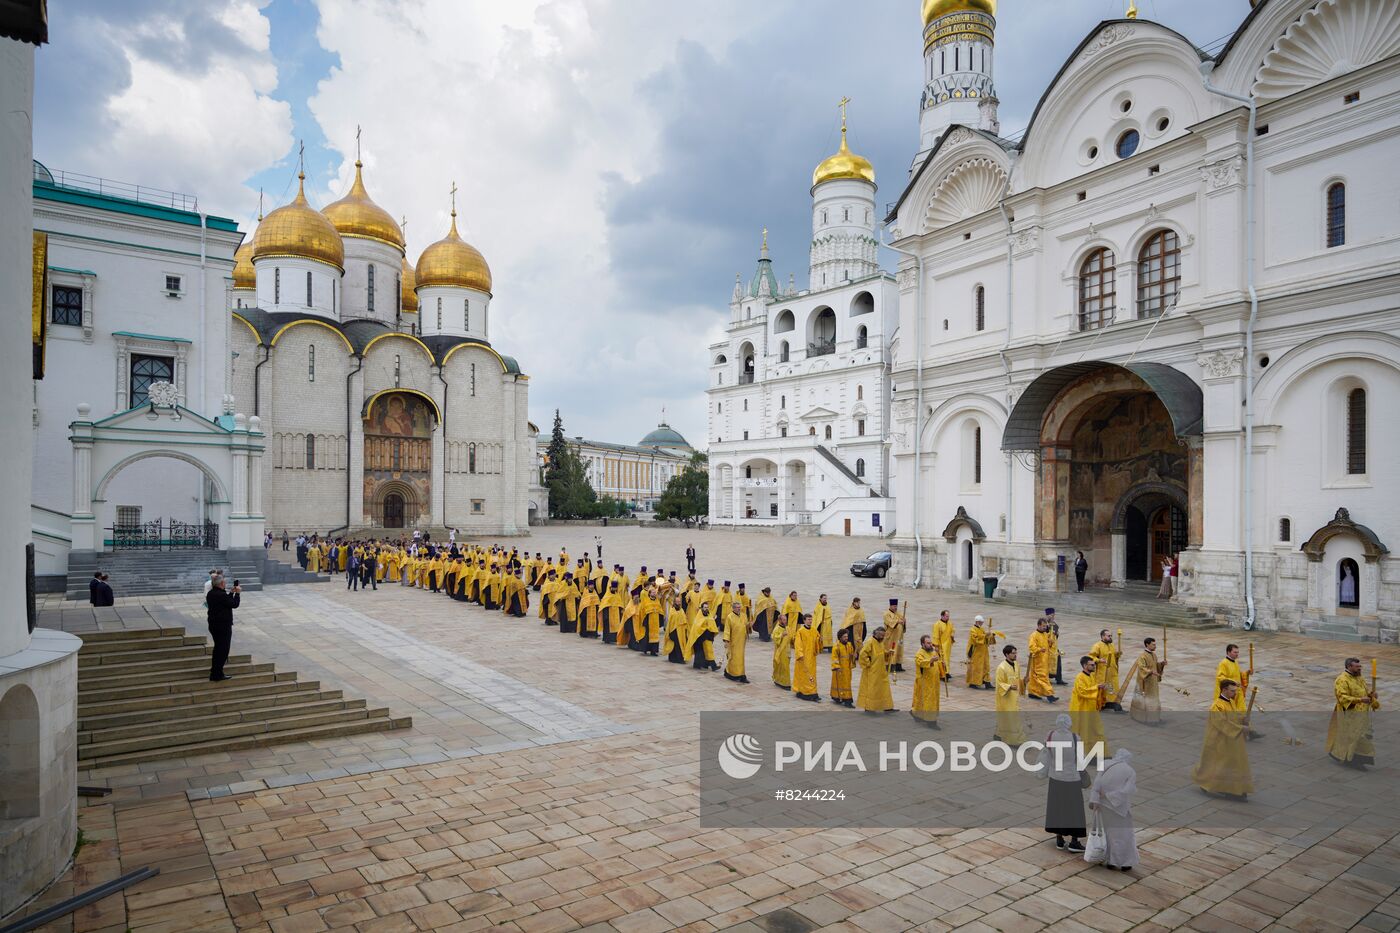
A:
{"points": [[798, 393], [1163, 321], [200, 387]]}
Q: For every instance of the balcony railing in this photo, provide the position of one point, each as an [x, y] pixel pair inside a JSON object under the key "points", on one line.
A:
{"points": [[821, 348], [144, 194], [745, 379]]}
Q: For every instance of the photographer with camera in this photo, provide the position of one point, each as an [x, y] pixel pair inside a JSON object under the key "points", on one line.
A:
{"points": [[221, 605]]}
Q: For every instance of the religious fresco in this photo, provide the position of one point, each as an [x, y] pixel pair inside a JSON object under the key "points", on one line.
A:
{"points": [[398, 454], [1121, 443]]}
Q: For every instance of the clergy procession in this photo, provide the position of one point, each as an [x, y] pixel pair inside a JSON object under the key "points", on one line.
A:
{"points": [[660, 614]]}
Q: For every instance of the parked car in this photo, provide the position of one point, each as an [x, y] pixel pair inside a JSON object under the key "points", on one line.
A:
{"points": [[876, 565]]}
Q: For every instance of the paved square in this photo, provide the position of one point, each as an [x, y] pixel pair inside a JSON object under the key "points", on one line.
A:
{"points": [[549, 783]]}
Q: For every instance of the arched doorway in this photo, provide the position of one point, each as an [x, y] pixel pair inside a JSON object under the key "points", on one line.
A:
{"points": [[1118, 465], [398, 461]]}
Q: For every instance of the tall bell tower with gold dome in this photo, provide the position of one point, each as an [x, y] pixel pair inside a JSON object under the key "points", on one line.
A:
{"points": [[958, 39], [844, 247]]}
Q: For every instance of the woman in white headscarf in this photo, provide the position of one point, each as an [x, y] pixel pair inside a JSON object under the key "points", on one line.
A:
{"points": [[1112, 799], [1064, 804]]}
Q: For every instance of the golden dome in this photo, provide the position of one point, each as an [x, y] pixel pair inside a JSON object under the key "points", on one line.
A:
{"points": [[243, 274], [452, 261], [356, 215], [408, 298], [299, 230], [933, 9], [845, 164]]}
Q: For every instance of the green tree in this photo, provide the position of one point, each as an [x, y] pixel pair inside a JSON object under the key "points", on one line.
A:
{"points": [[687, 494], [570, 493]]}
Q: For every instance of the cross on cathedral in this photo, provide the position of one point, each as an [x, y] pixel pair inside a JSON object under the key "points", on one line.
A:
{"points": [[842, 104], [357, 143], [453, 192]]}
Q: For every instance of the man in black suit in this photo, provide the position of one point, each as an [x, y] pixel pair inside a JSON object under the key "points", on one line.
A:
{"points": [[93, 585], [690, 559], [102, 592], [368, 569], [221, 606]]}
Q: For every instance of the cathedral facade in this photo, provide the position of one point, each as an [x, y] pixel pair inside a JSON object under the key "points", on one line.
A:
{"points": [[1162, 324], [798, 396], [384, 405]]}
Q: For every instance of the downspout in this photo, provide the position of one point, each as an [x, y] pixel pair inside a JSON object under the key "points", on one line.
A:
{"points": [[1006, 343], [443, 465], [918, 407], [257, 385], [349, 434], [1206, 69], [203, 351]]}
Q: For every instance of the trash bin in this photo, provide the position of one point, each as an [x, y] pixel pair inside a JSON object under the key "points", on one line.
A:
{"points": [[989, 586]]}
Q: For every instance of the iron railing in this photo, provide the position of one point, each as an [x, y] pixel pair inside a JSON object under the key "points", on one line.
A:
{"points": [[164, 535], [821, 348], [745, 379], [144, 194]]}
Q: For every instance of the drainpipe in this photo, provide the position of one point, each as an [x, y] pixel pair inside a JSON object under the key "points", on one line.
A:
{"points": [[1206, 69], [257, 385], [1006, 343], [918, 407], [349, 434], [203, 352], [443, 465]]}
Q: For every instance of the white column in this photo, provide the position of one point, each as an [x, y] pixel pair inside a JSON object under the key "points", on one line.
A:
{"points": [[357, 509], [238, 480], [255, 455], [437, 493], [83, 525], [1119, 550]]}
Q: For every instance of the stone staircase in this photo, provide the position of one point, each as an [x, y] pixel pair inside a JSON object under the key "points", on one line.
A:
{"points": [[145, 695], [1132, 603], [153, 573]]}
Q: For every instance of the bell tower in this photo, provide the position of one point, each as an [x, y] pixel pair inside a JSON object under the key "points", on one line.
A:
{"points": [[958, 39]]}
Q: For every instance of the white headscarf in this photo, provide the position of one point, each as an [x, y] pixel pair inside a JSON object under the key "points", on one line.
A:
{"points": [[1062, 735], [1114, 788]]}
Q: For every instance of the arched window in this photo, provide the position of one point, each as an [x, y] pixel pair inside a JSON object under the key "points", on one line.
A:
{"points": [[311, 451], [309, 302], [827, 432], [979, 308], [719, 408], [782, 430], [860, 468], [471, 459], [860, 393], [369, 300], [1097, 290], [782, 402], [860, 337], [783, 352], [1348, 584], [1356, 432], [977, 455], [311, 363], [1285, 530], [1336, 214], [746, 404], [812, 430], [277, 286], [397, 369], [1158, 273]]}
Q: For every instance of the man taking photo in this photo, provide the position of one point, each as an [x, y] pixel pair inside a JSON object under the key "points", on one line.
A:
{"points": [[221, 605]]}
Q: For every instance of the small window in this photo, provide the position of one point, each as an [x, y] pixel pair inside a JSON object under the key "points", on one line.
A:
{"points": [[439, 314], [782, 430], [1262, 130], [473, 386], [979, 301], [746, 404], [466, 314], [860, 393], [782, 402], [277, 286], [812, 430], [1352, 98], [1356, 432], [398, 371], [977, 455], [1127, 144], [398, 292], [172, 283], [471, 458], [1097, 289], [1336, 214], [860, 427], [783, 352], [1285, 530], [309, 302], [146, 370], [860, 468], [1082, 196], [478, 506], [827, 432], [1164, 124], [369, 292], [311, 363], [66, 306], [311, 451], [746, 435], [861, 337], [128, 516], [719, 408], [748, 472]]}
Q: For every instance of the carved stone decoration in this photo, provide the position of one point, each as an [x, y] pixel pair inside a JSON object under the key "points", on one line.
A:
{"points": [[162, 394], [1221, 174], [1027, 240], [1331, 39], [1341, 524], [969, 189], [907, 278], [1221, 364], [959, 136], [1110, 36]]}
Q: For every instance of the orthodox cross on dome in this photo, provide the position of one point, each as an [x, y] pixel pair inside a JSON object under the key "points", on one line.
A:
{"points": [[765, 243], [260, 205], [403, 223], [357, 144], [301, 158], [453, 192], [842, 104]]}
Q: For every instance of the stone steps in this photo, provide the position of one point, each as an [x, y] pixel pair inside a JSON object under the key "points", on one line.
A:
{"points": [[145, 695], [1121, 606], [155, 573]]}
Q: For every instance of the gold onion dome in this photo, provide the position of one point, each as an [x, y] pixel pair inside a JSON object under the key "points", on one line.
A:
{"points": [[300, 231], [357, 215], [408, 281], [453, 261], [845, 164], [244, 276], [933, 9]]}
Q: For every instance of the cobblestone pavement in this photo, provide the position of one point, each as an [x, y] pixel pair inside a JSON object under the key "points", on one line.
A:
{"points": [[563, 791]]}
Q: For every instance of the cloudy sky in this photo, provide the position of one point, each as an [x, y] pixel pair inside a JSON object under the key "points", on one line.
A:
{"points": [[615, 159]]}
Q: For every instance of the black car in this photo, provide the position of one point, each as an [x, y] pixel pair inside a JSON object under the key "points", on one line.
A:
{"points": [[876, 565]]}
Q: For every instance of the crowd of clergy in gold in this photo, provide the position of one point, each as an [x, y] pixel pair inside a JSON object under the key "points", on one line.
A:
{"points": [[652, 613]]}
